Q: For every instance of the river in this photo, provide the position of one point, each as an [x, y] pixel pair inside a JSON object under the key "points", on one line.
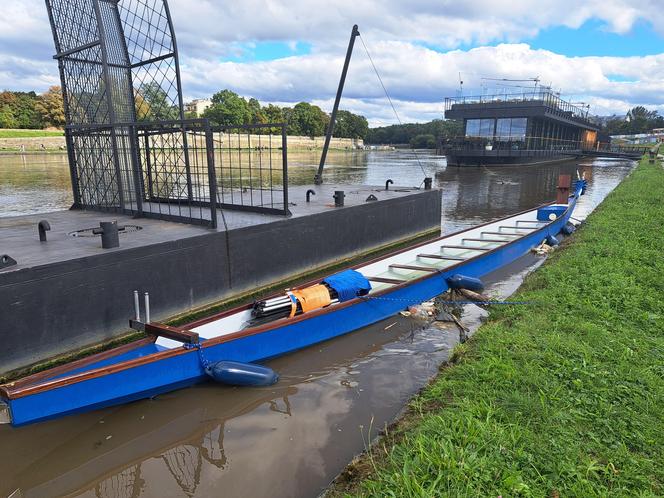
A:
{"points": [[293, 438]]}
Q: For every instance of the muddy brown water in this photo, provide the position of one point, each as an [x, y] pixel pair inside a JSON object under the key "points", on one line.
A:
{"points": [[291, 439]]}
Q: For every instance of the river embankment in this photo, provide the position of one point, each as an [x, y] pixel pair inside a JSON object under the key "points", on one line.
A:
{"points": [[22, 141], [563, 397]]}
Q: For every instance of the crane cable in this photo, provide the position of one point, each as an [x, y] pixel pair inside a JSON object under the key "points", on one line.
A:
{"points": [[390, 101]]}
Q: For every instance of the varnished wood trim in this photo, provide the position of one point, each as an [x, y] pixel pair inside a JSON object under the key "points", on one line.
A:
{"points": [[470, 248], [383, 280], [440, 256], [73, 365], [474, 239], [413, 267], [175, 333]]}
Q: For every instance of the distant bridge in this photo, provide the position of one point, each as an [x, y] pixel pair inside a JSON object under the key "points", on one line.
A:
{"points": [[617, 151]]}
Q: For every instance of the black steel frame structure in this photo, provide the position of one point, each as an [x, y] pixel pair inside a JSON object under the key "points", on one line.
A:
{"points": [[130, 149]]}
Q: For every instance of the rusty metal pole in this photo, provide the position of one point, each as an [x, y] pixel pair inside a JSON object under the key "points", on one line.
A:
{"points": [[318, 179]]}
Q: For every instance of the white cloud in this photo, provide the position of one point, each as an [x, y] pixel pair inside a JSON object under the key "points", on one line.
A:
{"points": [[417, 78]]}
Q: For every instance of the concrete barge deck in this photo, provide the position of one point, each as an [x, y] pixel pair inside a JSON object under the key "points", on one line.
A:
{"points": [[69, 293]]}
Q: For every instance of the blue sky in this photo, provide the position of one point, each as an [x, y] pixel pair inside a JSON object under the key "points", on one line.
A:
{"points": [[595, 38], [609, 53]]}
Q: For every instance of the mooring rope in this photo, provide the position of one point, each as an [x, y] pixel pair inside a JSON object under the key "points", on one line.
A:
{"points": [[204, 362], [390, 100], [482, 303]]}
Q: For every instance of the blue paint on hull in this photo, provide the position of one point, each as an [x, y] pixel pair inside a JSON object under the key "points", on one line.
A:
{"points": [[174, 372]]}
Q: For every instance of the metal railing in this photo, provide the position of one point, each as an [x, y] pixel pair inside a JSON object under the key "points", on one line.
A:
{"points": [[252, 165], [179, 170], [507, 145], [549, 99]]}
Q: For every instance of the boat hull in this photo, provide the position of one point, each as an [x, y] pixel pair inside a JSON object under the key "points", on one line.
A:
{"points": [[182, 367]]}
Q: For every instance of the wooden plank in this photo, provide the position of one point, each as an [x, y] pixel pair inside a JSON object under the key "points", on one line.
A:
{"points": [[504, 233], [414, 267], [518, 228], [439, 256], [485, 240], [468, 248], [175, 333], [382, 280]]}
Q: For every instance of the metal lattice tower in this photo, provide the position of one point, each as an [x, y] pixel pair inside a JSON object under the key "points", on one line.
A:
{"points": [[118, 66], [131, 150]]}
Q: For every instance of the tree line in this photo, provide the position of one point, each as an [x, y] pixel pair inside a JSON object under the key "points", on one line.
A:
{"points": [[417, 135], [28, 110], [637, 120], [229, 108]]}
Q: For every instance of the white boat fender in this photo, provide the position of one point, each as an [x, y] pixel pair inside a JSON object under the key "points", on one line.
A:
{"points": [[458, 281], [235, 373], [568, 229], [552, 240]]}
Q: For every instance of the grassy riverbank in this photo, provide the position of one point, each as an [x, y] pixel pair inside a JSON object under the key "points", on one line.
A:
{"points": [[30, 133], [565, 398]]}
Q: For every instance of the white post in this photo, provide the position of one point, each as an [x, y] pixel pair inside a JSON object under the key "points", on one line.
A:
{"points": [[147, 308], [137, 307]]}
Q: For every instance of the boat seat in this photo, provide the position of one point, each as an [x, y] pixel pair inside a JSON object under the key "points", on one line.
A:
{"points": [[413, 267], [507, 234], [512, 227], [440, 256], [493, 241], [383, 280], [469, 248]]}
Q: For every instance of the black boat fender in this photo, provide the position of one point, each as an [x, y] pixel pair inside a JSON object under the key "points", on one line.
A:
{"points": [[235, 373], [458, 281], [568, 229], [552, 240]]}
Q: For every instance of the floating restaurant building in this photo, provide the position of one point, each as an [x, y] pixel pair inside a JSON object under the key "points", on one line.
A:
{"points": [[526, 128]]}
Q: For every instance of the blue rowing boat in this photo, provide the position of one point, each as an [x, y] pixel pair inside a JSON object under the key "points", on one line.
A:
{"points": [[231, 345]]}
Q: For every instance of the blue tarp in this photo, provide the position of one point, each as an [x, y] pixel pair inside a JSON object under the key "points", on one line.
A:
{"points": [[348, 284]]}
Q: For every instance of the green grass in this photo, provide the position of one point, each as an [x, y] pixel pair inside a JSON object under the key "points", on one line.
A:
{"points": [[30, 133], [563, 400]]}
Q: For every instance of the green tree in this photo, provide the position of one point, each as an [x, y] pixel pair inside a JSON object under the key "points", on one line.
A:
{"points": [[308, 120], [26, 112], [228, 108], [7, 119], [351, 125], [50, 107], [257, 112], [424, 141], [403, 133], [160, 105]]}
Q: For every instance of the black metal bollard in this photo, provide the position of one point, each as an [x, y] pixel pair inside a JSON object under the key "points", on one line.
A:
{"points": [[387, 184], [6, 261], [428, 181], [339, 196], [43, 226], [309, 194], [109, 231]]}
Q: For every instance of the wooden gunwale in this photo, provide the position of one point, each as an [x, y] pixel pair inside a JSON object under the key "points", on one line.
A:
{"points": [[73, 365], [12, 391]]}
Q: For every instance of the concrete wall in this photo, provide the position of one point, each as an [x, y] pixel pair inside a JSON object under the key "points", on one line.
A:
{"points": [[294, 142], [59, 307]]}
